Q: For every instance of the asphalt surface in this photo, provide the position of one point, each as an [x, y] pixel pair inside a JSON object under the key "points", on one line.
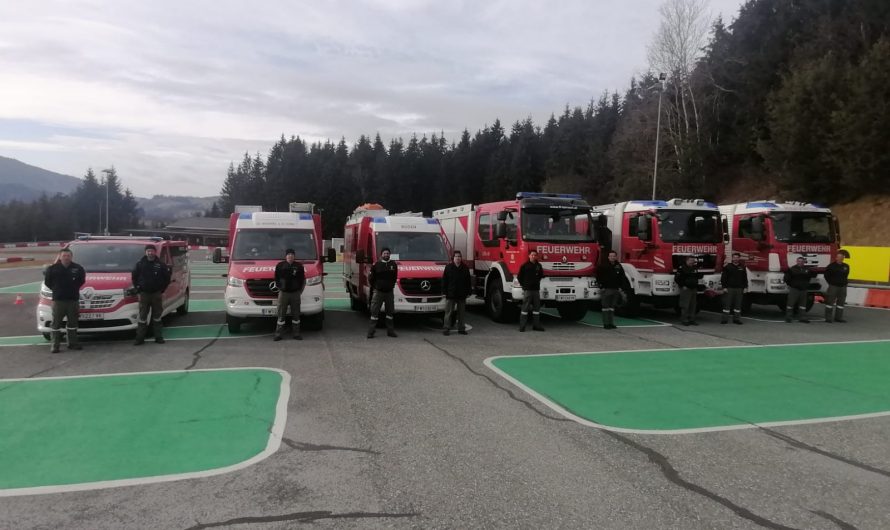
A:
{"points": [[416, 432]]}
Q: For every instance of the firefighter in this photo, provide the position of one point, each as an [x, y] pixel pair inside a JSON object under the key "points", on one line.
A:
{"points": [[797, 278], [382, 279], [836, 274], [65, 278], [735, 282], [290, 278], [612, 280], [151, 277], [687, 279], [456, 286], [530, 275]]}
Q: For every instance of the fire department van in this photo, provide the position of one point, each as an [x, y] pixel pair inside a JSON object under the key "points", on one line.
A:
{"points": [[416, 243], [257, 242], [771, 235], [495, 239], [108, 300], [653, 238]]}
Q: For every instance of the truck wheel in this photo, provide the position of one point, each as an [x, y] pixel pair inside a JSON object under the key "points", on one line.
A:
{"points": [[573, 311], [746, 304], [499, 309], [312, 322], [184, 308], [354, 303], [234, 323], [631, 307]]}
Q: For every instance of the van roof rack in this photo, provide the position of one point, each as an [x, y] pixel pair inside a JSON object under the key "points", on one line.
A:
{"points": [[136, 238]]}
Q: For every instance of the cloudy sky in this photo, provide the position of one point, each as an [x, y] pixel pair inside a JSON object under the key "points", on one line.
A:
{"points": [[171, 91]]}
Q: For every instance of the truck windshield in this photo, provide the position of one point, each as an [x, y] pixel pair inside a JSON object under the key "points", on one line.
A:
{"points": [[802, 227], [556, 224], [108, 258], [264, 244], [689, 226], [413, 246]]}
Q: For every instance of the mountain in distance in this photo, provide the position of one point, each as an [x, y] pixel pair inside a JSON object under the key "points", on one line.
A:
{"points": [[24, 182], [169, 208]]}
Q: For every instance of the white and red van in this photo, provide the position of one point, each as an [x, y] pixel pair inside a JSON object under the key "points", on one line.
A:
{"points": [[415, 242], [108, 301]]}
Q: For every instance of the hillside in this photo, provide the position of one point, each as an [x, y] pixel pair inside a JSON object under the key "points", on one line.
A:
{"points": [[26, 182], [170, 208], [861, 221]]}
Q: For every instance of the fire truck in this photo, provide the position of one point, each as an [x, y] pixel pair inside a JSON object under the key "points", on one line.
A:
{"points": [[770, 236], [415, 242], [257, 242], [495, 239], [653, 238]]}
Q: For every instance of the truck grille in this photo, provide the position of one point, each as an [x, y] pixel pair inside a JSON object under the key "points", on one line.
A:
{"points": [[705, 261], [98, 301], [261, 288], [412, 286], [562, 266]]}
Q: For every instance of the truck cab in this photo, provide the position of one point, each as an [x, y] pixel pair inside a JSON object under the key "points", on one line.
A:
{"points": [[416, 243], [257, 243], [770, 235]]}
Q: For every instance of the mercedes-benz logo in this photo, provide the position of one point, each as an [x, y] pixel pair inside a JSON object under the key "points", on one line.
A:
{"points": [[426, 285], [273, 287]]}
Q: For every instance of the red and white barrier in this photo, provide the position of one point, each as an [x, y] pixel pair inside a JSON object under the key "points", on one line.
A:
{"points": [[36, 244], [868, 297], [15, 259], [201, 247]]}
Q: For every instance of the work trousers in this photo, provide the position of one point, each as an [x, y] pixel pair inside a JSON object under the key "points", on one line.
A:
{"points": [[531, 302], [154, 303], [688, 304], [835, 299], [288, 300], [65, 310], [388, 302], [609, 300], [732, 304], [796, 303], [455, 309]]}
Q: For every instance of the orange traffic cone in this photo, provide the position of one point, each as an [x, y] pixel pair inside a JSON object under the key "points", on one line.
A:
{"points": [[19, 300]]}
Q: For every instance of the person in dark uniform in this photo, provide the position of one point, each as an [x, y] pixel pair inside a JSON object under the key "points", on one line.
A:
{"points": [[151, 277], [530, 275], [797, 278], [734, 281], [612, 281], [837, 275], [687, 279], [65, 278], [382, 279], [290, 278], [456, 286]]}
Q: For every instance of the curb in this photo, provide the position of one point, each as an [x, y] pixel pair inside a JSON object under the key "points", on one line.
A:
{"points": [[15, 259]]}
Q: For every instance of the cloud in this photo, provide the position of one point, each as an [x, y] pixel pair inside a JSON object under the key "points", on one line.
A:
{"points": [[170, 92]]}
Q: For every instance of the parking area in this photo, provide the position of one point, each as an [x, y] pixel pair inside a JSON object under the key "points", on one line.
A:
{"points": [[649, 426]]}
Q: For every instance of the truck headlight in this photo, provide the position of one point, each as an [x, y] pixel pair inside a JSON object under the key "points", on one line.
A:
{"points": [[235, 282], [45, 291], [591, 283], [315, 280], [131, 292]]}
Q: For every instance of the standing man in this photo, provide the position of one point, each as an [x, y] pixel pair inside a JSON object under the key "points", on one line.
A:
{"points": [[456, 286], [530, 275], [150, 278], [65, 278], [382, 279], [836, 274], [612, 281], [797, 278], [734, 281], [687, 279], [290, 278]]}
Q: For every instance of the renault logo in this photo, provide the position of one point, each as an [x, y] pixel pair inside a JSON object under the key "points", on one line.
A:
{"points": [[273, 287], [565, 259], [87, 293], [426, 285]]}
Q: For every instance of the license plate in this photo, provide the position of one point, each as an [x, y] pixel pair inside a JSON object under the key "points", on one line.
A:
{"points": [[270, 311], [91, 316], [565, 298], [424, 308]]}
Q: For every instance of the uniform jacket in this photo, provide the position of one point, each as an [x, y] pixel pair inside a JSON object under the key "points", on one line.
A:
{"points": [[530, 275], [290, 277], [383, 275], [456, 281], [65, 282], [734, 277], [836, 274], [687, 277], [799, 277], [151, 276], [611, 276]]}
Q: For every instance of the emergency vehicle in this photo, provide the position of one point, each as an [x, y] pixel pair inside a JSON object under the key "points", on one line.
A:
{"points": [[495, 239], [416, 243], [653, 238], [108, 300], [770, 236], [257, 242]]}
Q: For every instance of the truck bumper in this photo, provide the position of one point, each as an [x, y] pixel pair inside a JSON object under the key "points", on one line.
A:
{"points": [[122, 319], [417, 304], [562, 290], [240, 304]]}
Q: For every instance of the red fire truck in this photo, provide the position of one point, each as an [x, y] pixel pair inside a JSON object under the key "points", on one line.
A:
{"points": [[653, 238], [495, 239], [257, 242], [416, 244], [771, 235]]}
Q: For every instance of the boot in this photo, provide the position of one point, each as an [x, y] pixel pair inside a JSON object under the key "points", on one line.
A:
{"points": [[523, 320], [390, 327], [158, 331], [73, 344], [296, 330], [372, 329], [829, 314], [278, 330], [839, 315], [56, 340], [140, 334], [536, 322], [725, 318], [736, 318]]}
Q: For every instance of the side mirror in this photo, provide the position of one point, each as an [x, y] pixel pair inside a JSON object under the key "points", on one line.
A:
{"points": [[837, 229], [757, 229], [643, 228], [502, 215], [332, 255], [217, 255], [500, 229]]}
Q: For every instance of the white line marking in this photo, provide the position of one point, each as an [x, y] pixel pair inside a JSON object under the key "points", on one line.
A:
{"points": [[782, 321], [655, 323], [276, 432], [489, 362]]}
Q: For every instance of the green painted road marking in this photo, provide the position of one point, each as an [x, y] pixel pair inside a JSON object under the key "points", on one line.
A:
{"points": [[208, 282], [25, 288], [707, 389], [336, 304], [62, 434], [28, 340], [595, 318]]}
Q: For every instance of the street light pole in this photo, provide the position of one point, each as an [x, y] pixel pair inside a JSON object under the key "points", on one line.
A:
{"points": [[662, 78], [107, 173]]}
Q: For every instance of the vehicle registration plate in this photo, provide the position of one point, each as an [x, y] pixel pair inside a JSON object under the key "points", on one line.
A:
{"points": [[565, 298], [91, 316], [424, 308], [267, 311]]}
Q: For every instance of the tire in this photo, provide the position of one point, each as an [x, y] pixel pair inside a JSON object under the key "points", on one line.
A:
{"points": [[498, 308], [572, 311], [312, 322], [184, 308], [632, 307], [234, 323], [746, 304], [354, 303]]}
